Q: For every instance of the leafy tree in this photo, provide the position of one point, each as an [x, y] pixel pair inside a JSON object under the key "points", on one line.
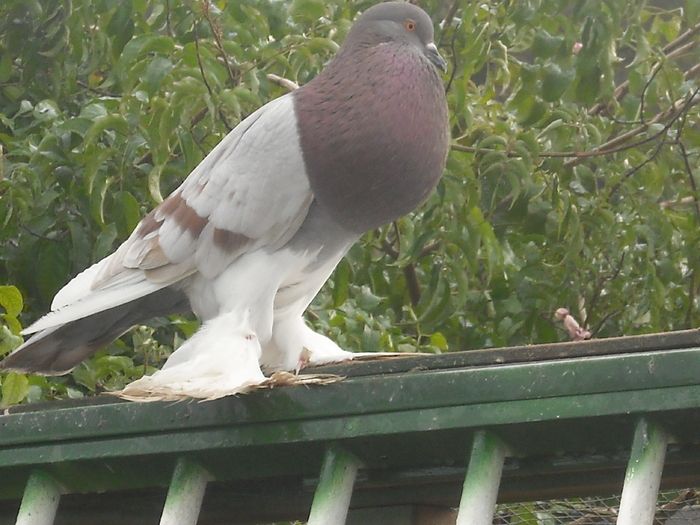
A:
{"points": [[571, 181]]}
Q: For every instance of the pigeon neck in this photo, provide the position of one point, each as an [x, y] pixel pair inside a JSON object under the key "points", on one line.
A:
{"points": [[374, 133]]}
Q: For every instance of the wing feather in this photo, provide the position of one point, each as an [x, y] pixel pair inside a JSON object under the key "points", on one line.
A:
{"points": [[250, 192]]}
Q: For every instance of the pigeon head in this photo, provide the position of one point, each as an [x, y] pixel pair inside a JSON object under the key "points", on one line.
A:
{"points": [[373, 125], [396, 22]]}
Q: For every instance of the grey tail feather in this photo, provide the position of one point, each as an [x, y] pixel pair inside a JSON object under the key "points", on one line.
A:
{"points": [[57, 350]]}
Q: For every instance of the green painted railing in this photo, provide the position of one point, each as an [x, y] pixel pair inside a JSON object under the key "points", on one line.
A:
{"points": [[431, 439]]}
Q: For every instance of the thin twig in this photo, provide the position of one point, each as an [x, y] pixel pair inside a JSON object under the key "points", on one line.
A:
{"points": [[96, 90], [447, 21], [679, 202], [430, 248], [216, 30], [409, 271], [615, 187], [283, 82], [167, 18], [412, 283], [454, 62], [692, 72], [598, 290], [681, 51], [691, 302], [42, 236], [611, 147], [677, 110], [601, 323], [642, 98], [691, 177], [389, 249], [206, 82]]}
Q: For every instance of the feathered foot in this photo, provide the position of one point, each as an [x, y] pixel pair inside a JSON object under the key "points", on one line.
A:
{"points": [[221, 359]]}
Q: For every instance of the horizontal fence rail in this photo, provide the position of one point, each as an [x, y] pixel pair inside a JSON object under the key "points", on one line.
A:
{"points": [[434, 439]]}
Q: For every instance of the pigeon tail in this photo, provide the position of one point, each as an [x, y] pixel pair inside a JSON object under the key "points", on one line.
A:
{"points": [[58, 349]]}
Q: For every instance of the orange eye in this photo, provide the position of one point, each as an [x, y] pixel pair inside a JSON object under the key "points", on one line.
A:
{"points": [[410, 25]]}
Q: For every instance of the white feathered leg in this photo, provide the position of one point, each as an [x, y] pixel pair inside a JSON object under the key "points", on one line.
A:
{"points": [[221, 359], [224, 356], [294, 345]]}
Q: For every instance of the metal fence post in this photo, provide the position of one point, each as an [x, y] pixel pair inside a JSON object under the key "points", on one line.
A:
{"points": [[640, 491], [334, 490], [185, 494], [40, 500], [483, 478]]}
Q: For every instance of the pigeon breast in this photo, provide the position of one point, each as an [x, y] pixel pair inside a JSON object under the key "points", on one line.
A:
{"points": [[374, 132]]}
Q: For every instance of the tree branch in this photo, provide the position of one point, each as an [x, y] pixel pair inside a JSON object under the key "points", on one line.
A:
{"points": [[670, 51], [282, 82]]}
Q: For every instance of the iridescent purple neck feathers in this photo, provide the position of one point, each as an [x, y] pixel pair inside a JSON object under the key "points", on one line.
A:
{"points": [[374, 125]]}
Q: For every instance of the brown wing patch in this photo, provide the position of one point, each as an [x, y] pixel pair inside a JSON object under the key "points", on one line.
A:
{"points": [[229, 241], [148, 224], [188, 219], [176, 208]]}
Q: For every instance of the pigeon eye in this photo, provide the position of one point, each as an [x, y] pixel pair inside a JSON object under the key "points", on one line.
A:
{"points": [[410, 25]]}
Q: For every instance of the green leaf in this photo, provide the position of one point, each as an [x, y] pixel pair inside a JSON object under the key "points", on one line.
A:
{"points": [[45, 110], [367, 300], [692, 10], [15, 388], [156, 71], [341, 283], [154, 183], [15, 328], [127, 212], [438, 340], [108, 122], [103, 244], [97, 197], [11, 300], [58, 43], [161, 44], [554, 82], [546, 45], [9, 338], [309, 11], [588, 86], [5, 67], [52, 268], [322, 45]]}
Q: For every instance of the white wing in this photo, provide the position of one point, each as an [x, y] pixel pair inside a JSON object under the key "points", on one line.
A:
{"points": [[250, 192]]}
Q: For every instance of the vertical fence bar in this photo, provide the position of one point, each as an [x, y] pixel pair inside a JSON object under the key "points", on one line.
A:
{"points": [[40, 500], [185, 494], [334, 490], [480, 490], [640, 492]]}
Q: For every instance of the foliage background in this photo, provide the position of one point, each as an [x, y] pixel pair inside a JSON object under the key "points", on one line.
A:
{"points": [[571, 182]]}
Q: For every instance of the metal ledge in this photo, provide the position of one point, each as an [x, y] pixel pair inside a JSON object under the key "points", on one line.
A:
{"points": [[567, 412]]}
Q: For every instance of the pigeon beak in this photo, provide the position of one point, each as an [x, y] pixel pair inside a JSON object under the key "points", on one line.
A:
{"points": [[434, 56]]}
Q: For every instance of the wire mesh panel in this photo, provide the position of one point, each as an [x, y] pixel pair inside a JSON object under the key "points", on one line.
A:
{"points": [[677, 507]]}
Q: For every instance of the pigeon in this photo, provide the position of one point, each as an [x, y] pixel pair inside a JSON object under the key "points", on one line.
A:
{"points": [[256, 229]]}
